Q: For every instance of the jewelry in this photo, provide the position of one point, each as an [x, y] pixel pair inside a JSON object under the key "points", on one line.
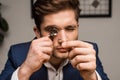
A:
{"points": [[53, 33]]}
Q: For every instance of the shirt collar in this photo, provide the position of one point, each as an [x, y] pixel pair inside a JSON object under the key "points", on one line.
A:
{"points": [[48, 65]]}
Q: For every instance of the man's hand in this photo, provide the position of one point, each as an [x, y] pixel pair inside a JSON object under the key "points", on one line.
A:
{"points": [[82, 57], [39, 52]]}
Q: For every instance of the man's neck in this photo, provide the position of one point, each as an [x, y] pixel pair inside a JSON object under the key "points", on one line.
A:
{"points": [[55, 62]]}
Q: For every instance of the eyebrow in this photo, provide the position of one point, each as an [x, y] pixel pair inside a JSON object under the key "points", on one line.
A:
{"points": [[55, 26], [71, 26], [50, 26]]}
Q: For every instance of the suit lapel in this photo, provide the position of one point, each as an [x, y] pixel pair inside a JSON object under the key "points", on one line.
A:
{"points": [[41, 74], [71, 73]]}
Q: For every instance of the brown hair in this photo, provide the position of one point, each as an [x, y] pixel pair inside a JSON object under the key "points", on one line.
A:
{"points": [[42, 8]]}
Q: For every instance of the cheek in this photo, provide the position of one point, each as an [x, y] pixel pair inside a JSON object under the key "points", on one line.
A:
{"points": [[76, 35], [73, 36], [44, 33]]}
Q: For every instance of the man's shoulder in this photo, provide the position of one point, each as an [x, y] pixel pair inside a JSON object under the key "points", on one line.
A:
{"points": [[23, 44], [20, 48], [18, 52]]}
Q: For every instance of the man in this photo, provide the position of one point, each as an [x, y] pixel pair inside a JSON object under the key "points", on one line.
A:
{"points": [[62, 57]]}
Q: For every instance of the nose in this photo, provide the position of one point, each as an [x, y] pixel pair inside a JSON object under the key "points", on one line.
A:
{"points": [[62, 36]]}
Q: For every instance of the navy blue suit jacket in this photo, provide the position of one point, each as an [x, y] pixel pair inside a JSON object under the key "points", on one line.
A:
{"points": [[17, 54]]}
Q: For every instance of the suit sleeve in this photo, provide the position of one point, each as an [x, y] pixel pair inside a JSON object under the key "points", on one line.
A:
{"points": [[100, 68], [9, 67]]}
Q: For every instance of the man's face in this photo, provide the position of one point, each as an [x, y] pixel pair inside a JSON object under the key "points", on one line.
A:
{"points": [[66, 25]]}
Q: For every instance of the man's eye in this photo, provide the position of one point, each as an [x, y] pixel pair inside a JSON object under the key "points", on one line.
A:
{"points": [[70, 28], [47, 29], [51, 29]]}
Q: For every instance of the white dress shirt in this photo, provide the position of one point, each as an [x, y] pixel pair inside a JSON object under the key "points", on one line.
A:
{"points": [[53, 74]]}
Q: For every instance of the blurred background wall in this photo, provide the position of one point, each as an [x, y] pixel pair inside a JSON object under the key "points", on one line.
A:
{"points": [[104, 31]]}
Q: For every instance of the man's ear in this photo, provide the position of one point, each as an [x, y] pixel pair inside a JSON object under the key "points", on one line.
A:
{"points": [[36, 31]]}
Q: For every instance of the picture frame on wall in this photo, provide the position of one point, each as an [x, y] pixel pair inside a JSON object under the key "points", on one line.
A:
{"points": [[92, 8], [95, 8]]}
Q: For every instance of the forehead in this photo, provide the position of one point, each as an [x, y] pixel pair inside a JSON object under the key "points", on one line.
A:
{"points": [[61, 18]]}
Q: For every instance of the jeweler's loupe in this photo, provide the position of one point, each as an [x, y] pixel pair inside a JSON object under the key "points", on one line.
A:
{"points": [[53, 33]]}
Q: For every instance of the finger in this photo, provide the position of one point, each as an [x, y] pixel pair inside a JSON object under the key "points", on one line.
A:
{"points": [[76, 43], [81, 51], [82, 59], [45, 44], [86, 66], [42, 42], [44, 58], [47, 50], [42, 39], [45, 38]]}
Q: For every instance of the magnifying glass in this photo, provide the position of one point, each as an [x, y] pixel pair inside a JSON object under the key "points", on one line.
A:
{"points": [[53, 32]]}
